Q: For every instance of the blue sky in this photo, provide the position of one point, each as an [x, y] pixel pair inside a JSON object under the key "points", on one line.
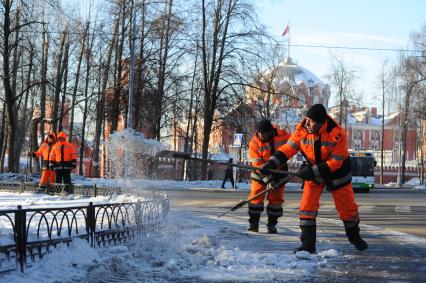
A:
{"points": [[362, 23]]}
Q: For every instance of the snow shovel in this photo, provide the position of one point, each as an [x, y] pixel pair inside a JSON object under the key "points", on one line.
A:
{"points": [[244, 202], [185, 155]]}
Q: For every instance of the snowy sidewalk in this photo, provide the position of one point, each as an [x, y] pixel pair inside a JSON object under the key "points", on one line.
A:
{"points": [[195, 246]]}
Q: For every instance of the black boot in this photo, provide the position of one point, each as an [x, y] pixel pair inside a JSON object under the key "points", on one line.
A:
{"points": [[254, 222], [308, 238], [352, 231], [272, 222]]}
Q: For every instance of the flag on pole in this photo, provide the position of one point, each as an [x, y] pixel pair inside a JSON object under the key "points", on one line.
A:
{"points": [[287, 30]]}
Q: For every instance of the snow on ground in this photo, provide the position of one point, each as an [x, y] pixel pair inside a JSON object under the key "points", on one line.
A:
{"points": [[165, 185], [198, 247], [189, 247], [9, 200]]}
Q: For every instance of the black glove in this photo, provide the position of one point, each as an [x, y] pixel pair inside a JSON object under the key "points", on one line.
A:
{"points": [[282, 180], [267, 166], [306, 173], [275, 180], [74, 164], [268, 179], [31, 154], [51, 167]]}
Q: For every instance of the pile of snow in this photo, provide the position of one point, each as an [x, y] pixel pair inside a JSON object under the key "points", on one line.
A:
{"points": [[10, 200], [134, 185], [413, 182], [187, 249]]}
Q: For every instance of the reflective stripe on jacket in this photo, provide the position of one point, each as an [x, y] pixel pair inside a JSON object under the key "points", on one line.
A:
{"points": [[326, 151], [44, 152], [63, 154], [260, 151]]}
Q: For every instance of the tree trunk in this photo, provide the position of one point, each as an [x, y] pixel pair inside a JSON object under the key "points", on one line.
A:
{"points": [[58, 84], [65, 68], [25, 119], [3, 133], [3, 151], [86, 102], [16, 55], [34, 144], [164, 47], [140, 82], [100, 109], [8, 93], [188, 125], [404, 124], [119, 66], [383, 132], [43, 75], [212, 78], [77, 79]]}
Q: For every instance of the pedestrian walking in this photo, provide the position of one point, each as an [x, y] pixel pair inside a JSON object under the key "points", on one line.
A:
{"points": [[322, 141], [265, 141], [229, 175]]}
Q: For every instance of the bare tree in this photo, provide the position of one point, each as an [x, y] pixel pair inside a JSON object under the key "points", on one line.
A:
{"points": [[385, 78], [7, 76], [418, 66], [223, 35], [411, 85], [342, 77], [89, 57], [100, 108], [115, 113], [59, 75], [77, 76], [43, 76]]}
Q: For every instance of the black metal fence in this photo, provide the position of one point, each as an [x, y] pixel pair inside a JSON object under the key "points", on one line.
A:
{"points": [[31, 233]]}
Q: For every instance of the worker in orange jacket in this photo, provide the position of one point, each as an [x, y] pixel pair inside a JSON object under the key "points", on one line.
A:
{"points": [[63, 159], [266, 140], [323, 143], [47, 175]]}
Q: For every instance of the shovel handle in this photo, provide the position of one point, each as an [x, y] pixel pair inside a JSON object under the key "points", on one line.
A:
{"points": [[185, 155]]}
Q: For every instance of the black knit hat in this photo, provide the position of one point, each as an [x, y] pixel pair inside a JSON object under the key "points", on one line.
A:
{"points": [[264, 126], [317, 113]]}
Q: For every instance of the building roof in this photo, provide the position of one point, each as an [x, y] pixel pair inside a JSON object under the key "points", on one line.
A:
{"points": [[294, 74]]}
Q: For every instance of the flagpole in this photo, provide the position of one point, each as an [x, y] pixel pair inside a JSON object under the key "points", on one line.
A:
{"points": [[288, 42]]}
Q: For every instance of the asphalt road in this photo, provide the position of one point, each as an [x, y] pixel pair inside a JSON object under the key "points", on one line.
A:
{"points": [[402, 210], [391, 256]]}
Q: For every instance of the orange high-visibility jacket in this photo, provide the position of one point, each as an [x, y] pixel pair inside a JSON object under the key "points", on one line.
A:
{"points": [[260, 151], [326, 151], [44, 151], [63, 154]]}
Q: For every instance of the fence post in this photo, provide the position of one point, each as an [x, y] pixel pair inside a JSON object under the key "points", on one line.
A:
{"points": [[95, 191], [138, 214], [91, 223], [21, 236]]}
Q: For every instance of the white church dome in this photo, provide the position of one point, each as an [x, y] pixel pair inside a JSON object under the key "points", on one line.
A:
{"points": [[294, 74]]}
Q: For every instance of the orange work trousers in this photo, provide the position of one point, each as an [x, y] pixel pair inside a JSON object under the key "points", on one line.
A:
{"points": [[275, 197], [344, 201], [47, 177]]}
